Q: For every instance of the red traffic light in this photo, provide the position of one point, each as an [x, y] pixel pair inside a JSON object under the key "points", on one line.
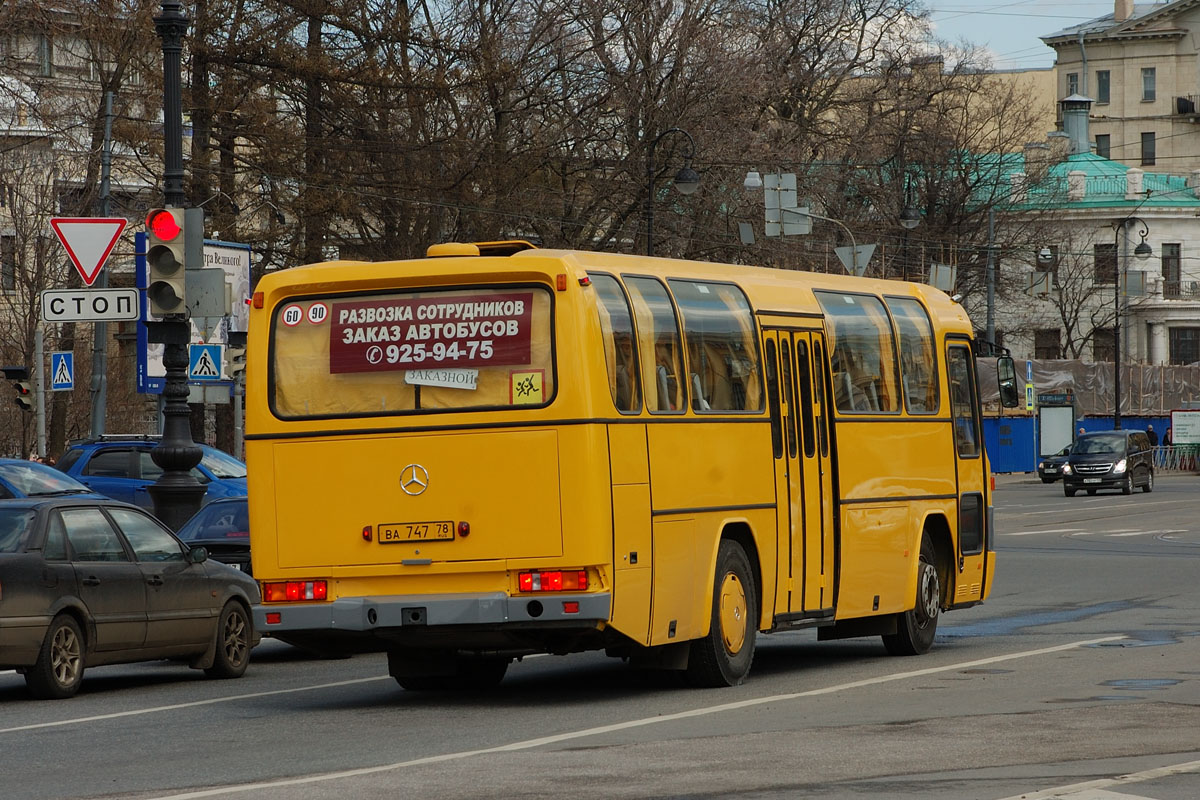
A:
{"points": [[162, 224]]}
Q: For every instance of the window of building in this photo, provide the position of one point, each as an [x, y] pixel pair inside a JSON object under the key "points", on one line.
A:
{"points": [[46, 55], [1171, 261], [1045, 343], [1048, 262], [1148, 78], [1103, 344], [1104, 145], [1185, 345], [1148, 148], [1102, 83], [8, 263], [1072, 83], [1106, 262]]}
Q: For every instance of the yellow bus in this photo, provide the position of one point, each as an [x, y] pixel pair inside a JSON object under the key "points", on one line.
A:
{"points": [[501, 450]]}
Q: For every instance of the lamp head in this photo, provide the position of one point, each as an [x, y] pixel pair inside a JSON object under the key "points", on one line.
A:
{"points": [[910, 217], [1045, 256], [687, 180], [1143, 250], [753, 180]]}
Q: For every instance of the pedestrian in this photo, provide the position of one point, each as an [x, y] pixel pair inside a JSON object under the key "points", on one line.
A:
{"points": [[1166, 440], [1153, 436], [1081, 430]]}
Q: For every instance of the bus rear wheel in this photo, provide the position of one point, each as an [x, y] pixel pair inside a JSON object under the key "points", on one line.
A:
{"points": [[915, 629], [723, 657]]}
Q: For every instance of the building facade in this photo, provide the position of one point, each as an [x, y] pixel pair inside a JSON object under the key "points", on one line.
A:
{"points": [[1140, 65]]}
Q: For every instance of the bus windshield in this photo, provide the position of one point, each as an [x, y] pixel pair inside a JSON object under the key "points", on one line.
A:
{"points": [[415, 351]]}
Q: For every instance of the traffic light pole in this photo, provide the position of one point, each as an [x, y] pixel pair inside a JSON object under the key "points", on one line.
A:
{"points": [[39, 385], [176, 494]]}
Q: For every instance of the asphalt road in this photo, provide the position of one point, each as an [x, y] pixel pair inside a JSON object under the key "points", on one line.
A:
{"points": [[1083, 667]]}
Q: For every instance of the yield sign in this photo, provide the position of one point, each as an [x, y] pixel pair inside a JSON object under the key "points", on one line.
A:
{"points": [[88, 240]]}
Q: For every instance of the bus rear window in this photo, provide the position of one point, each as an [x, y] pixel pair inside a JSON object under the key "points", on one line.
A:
{"points": [[404, 352]]}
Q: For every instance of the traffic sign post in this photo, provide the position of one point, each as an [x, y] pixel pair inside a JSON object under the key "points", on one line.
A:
{"points": [[88, 241], [62, 371], [89, 305], [204, 362]]}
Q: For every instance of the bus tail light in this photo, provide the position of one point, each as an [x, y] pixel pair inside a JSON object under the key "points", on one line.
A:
{"points": [[292, 591], [556, 581]]}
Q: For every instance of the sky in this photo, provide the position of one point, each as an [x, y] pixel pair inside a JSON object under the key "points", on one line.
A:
{"points": [[1009, 29]]}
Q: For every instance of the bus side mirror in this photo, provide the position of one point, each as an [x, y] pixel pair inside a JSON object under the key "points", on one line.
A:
{"points": [[1006, 379]]}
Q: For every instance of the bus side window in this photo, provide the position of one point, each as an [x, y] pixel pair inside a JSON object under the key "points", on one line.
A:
{"points": [[918, 357], [864, 355], [722, 352], [620, 348], [658, 343]]}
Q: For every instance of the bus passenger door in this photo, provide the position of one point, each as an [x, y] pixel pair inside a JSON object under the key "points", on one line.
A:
{"points": [[816, 563], [969, 461], [786, 506]]}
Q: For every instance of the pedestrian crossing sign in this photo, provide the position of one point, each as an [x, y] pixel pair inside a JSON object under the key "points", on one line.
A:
{"points": [[62, 371], [204, 362]]}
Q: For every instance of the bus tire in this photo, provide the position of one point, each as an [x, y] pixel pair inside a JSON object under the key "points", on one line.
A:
{"points": [[58, 671], [723, 657], [915, 629]]}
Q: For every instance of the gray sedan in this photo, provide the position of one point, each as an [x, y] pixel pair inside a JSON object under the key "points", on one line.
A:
{"points": [[86, 581]]}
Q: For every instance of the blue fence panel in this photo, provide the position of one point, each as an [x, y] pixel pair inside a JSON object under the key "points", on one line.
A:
{"points": [[1011, 443]]}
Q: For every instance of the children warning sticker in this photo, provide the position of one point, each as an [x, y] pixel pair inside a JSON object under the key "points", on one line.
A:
{"points": [[430, 332], [525, 386]]}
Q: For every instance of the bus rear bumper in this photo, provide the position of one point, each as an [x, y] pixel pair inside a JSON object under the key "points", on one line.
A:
{"points": [[364, 614]]}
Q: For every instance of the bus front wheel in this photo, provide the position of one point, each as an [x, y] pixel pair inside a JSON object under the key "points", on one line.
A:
{"points": [[722, 658], [915, 628]]}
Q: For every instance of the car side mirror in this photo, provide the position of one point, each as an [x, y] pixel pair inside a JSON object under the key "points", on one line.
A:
{"points": [[1006, 379], [198, 555]]}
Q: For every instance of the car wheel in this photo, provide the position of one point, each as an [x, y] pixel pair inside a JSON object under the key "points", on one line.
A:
{"points": [[1148, 487], [58, 671], [723, 657], [916, 628], [1091, 492], [1127, 484], [1047, 479], [234, 633], [1068, 491]]}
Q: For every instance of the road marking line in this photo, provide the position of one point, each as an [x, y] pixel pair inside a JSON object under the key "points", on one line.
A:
{"points": [[176, 706], [529, 744], [1082, 791]]}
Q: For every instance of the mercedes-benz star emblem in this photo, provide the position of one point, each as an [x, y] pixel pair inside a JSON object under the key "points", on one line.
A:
{"points": [[414, 479]]}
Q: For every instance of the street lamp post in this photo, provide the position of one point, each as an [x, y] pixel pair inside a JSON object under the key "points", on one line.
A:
{"points": [[686, 180], [1142, 251], [176, 494]]}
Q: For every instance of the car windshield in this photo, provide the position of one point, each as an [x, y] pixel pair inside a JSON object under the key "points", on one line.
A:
{"points": [[15, 526], [223, 465], [1103, 444], [34, 480], [218, 521]]}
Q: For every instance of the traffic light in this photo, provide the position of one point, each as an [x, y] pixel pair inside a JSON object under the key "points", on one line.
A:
{"points": [[20, 378], [167, 282], [235, 361]]}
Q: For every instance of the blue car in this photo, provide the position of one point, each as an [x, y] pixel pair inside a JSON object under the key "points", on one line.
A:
{"points": [[121, 468], [21, 478]]}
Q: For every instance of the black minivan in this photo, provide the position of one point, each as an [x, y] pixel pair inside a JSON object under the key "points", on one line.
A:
{"points": [[1109, 460]]}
